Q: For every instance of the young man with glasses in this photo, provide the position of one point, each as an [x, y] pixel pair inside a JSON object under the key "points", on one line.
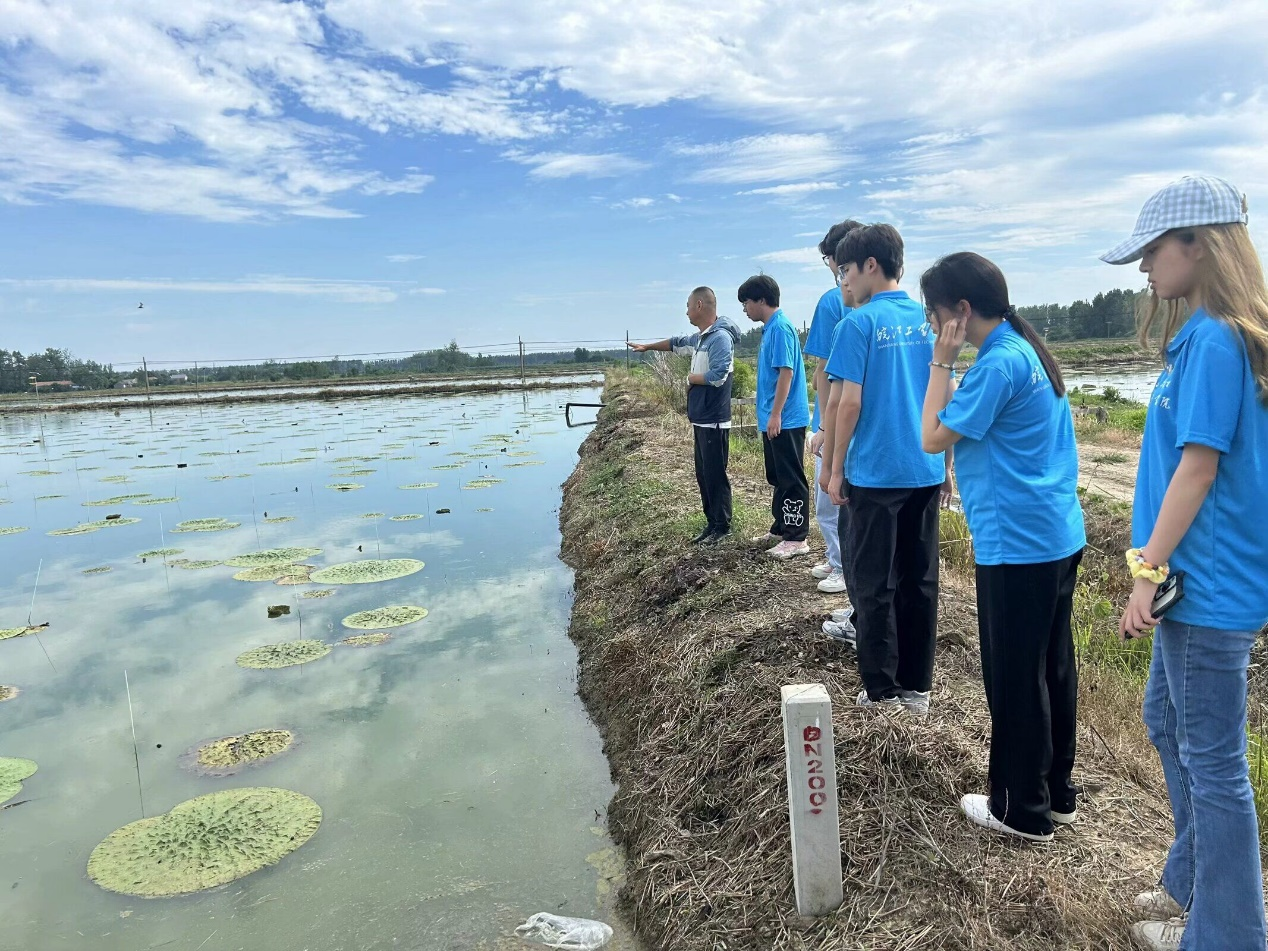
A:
{"points": [[783, 412]]}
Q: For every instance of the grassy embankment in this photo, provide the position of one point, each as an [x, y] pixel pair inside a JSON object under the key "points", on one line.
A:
{"points": [[683, 653]]}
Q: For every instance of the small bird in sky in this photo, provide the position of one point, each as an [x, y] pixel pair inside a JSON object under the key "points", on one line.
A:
{"points": [[141, 306]]}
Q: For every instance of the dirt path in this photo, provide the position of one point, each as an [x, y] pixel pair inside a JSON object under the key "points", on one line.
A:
{"points": [[1108, 470]]}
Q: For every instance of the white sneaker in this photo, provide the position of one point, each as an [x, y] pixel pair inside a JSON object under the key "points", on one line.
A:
{"points": [[1157, 904], [843, 614], [978, 809], [1064, 818], [821, 570], [785, 550], [834, 583], [916, 701], [841, 631], [893, 703], [1159, 935]]}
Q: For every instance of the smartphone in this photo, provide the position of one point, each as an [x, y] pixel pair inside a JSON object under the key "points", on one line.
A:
{"points": [[1169, 594]]}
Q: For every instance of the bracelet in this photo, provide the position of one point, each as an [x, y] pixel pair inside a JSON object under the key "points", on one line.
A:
{"points": [[1142, 569], [945, 366]]}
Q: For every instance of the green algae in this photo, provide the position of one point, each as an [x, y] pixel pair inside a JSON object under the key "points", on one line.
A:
{"points": [[204, 842], [227, 755], [272, 556], [12, 772], [288, 654], [367, 640], [367, 571], [391, 616]]}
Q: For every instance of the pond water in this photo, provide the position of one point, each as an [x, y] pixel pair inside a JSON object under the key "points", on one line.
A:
{"points": [[461, 781], [1134, 381]]}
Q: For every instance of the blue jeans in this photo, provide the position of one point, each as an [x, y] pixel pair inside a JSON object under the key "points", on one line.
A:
{"points": [[1195, 711], [826, 513]]}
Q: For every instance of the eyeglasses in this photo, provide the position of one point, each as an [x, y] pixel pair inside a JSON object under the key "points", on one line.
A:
{"points": [[839, 275]]}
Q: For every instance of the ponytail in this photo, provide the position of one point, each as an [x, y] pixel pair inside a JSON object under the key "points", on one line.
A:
{"points": [[1031, 336]]}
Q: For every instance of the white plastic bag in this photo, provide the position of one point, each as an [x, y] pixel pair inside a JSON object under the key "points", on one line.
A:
{"points": [[573, 934]]}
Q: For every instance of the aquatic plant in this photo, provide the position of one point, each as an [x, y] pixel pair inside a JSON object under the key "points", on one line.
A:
{"points": [[421, 485], [392, 616], [345, 486], [116, 500], [484, 510], [14, 530], [272, 556], [162, 501], [8, 693], [288, 654], [279, 519], [204, 842], [12, 772], [262, 573], [8, 632], [206, 525], [528, 462], [194, 565], [367, 571], [323, 593], [405, 518], [100, 570], [225, 756], [161, 552], [367, 640]]}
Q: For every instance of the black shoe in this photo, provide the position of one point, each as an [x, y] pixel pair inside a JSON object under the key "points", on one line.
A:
{"points": [[716, 537], [702, 537]]}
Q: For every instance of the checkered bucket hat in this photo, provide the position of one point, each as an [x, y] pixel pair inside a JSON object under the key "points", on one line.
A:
{"points": [[1193, 200]]}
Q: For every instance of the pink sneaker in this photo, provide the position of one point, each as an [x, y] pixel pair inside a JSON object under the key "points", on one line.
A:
{"points": [[785, 550]]}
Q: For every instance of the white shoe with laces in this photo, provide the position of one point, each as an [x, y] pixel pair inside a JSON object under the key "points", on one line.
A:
{"points": [[1159, 935], [834, 583], [785, 550], [843, 614], [1157, 904], [821, 570], [916, 701], [893, 703], [841, 631], [978, 809]]}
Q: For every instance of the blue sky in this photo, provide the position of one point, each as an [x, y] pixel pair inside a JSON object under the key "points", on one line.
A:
{"points": [[291, 179]]}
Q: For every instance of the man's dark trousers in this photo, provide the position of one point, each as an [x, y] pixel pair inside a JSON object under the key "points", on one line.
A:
{"points": [[713, 452], [786, 474], [893, 581]]}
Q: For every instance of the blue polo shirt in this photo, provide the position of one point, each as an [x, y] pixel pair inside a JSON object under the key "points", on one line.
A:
{"points": [[885, 347], [1206, 395], [1017, 465], [828, 314], [781, 348]]}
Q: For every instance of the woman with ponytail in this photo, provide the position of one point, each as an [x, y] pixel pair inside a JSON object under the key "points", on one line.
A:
{"points": [[1017, 468], [1199, 509]]}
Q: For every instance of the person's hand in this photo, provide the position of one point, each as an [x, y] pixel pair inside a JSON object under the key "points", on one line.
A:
{"points": [[638, 347], [774, 426], [816, 443], [836, 489], [947, 492], [1136, 617], [950, 341], [825, 478]]}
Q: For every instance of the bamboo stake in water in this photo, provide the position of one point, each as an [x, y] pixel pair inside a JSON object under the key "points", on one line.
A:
{"points": [[31, 613], [136, 756]]}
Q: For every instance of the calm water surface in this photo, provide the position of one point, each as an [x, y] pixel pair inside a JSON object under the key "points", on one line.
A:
{"points": [[458, 774]]}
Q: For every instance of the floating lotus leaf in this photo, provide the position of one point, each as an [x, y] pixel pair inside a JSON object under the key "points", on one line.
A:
{"points": [[279, 519], [101, 570], [13, 531], [361, 472], [529, 462], [367, 640], [263, 573], [12, 772], [112, 522], [8, 693], [204, 842], [483, 483], [406, 518], [225, 756], [367, 571], [8, 632], [289, 654], [451, 465], [161, 552], [295, 574], [163, 501], [193, 565], [77, 530], [393, 616], [272, 556], [323, 593], [421, 485], [206, 525], [48, 498], [116, 479], [345, 486], [40, 472], [372, 515]]}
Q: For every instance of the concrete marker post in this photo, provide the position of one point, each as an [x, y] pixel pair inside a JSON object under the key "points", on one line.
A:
{"points": [[812, 798]]}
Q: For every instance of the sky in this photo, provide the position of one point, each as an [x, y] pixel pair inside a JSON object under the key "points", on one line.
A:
{"points": [[290, 179]]}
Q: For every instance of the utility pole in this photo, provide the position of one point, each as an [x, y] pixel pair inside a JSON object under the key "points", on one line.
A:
{"points": [[627, 351], [145, 371], [522, 380]]}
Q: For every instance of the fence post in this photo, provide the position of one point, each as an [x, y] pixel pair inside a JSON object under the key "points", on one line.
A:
{"points": [[810, 756], [627, 351]]}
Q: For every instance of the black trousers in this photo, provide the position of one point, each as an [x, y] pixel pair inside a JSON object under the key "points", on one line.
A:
{"points": [[786, 474], [1032, 688], [893, 583], [713, 452]]}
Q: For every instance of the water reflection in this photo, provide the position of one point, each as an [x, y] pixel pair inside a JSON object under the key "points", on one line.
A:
{"points": [[458, 774]]}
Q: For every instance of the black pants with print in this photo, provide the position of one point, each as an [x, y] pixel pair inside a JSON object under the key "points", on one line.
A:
{"points": [[713, 452], [1032, 687], [786, 474], [893, 583]]}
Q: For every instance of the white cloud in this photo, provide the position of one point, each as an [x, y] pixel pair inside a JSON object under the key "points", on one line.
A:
{"points": [[765, 158], [348, 292], [792, 190], [791, 256], [404, 258], [635, 203], [570, 164], [428, 291]]}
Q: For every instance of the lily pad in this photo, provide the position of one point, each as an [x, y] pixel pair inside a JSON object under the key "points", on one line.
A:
{"points": [[392, 616], [13, 531], [279, 519], [345, 486], [406, 518], [368, 571], [12, 772], [272, 556], [204, 842], [8, 632], [289, 654], [367, 640], [8, 693], [206, 525], [323, 593], [161, 552], [227, 755], [194, 564], [373, 515], [163, 501], [263, 573], [421, 485], [99, 570]]}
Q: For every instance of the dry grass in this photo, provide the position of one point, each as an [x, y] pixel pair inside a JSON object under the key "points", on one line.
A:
{"points": [[683, 653]]}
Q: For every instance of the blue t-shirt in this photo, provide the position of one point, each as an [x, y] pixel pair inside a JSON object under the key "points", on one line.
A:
{"points": [[1206, 395], [1017, 465], [781, 348], [828, 314], [885, 347]]}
